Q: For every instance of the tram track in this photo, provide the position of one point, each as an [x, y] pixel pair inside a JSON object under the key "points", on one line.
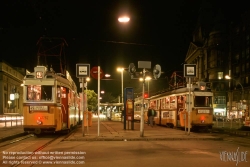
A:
{"points": [[59, 137], [15, 140]]}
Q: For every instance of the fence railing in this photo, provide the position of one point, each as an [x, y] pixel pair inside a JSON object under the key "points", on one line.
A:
{"points": [[10, 120], [223, 122]]}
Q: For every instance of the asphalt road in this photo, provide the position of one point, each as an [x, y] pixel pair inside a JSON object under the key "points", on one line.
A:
{"points": [[188, 153]]}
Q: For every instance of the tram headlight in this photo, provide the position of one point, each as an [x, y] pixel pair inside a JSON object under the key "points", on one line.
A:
{"points": [[39, 121], [202, 119]]}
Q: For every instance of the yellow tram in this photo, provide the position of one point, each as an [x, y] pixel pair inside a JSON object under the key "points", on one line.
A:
{"points": [[50, 102], [172, 107]]}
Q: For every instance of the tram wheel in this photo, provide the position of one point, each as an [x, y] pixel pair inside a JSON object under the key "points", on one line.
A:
{"points": [[38, 131]]}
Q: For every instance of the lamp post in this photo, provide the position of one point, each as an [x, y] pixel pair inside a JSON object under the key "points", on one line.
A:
{"points": [[121, 70]]}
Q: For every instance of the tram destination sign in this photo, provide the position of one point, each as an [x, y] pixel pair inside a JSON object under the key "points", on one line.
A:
{"points": [[38, 108], [203, 111]]}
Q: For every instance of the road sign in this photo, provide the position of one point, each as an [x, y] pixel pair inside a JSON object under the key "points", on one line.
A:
{"points": [[82, 70], [94, 73]]}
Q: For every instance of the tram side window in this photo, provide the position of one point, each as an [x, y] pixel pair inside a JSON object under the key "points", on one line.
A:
{"points": [[39, 93], [172, 102], [202, 101], [58, 92]]}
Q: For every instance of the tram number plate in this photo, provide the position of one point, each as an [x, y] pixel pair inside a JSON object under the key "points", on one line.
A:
{"points": [[203, 111], [38, 108]]}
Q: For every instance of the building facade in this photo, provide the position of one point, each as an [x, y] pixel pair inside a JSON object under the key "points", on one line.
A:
{"points": [[220, 48], [11, 91]]}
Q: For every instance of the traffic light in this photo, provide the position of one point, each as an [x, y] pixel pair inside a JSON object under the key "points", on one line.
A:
{"points": [[145, 95]]}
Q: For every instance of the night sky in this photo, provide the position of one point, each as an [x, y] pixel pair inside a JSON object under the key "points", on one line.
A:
{"points": [[158, 31]]}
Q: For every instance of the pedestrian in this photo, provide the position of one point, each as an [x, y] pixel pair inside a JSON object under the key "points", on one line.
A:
{"points": [[149, 109], [151, 114]]}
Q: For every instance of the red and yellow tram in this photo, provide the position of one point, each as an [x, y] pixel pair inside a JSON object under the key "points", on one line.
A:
{"points": [[50, 102]]}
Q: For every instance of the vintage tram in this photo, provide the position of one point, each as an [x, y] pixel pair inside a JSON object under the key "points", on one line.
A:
{"points": [[172, 107], [50, 102], [138, 108]]}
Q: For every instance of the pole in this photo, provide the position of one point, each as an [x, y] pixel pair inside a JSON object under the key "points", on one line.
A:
{"points": [[122, 84], [189, 102], [98, 129], [148, 88], [142, 107], [83, 133], [87, 108]]}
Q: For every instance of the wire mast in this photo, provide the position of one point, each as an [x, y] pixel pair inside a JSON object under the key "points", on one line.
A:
{"points": [[51, 51]]}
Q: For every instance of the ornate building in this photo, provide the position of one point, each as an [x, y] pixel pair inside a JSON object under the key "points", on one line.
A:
{"points": [[11, 91], [220, 48]]}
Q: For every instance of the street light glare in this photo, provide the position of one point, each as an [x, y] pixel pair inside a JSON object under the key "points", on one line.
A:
{"points": [[120, 69], [107, 75], [227, 77], [123, 19]]}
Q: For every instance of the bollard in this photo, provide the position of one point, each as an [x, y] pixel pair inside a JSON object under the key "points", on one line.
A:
{"points": [[223, 122], [239, 122], [5, 122], [231, 123]]}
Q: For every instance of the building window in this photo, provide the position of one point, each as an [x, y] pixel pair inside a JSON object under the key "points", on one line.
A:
{"points": [[247, 52], [212, 59], [243, 68], [237, 57], [243, 53], [247, 81], [220, 75], [237, 70], [247, 39], [220, 100]]}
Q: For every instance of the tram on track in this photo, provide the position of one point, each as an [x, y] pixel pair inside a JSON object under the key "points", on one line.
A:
{"points": [[50, 102], [172, 107]]}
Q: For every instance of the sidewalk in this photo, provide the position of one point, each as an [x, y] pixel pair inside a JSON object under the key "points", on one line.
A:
{"points": [[114, 131], [10, 132]]}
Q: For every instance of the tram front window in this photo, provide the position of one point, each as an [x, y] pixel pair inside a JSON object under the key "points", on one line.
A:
{"points": [[39, 93], [203, 101]]}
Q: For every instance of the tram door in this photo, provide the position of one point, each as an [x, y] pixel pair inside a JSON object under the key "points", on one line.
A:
{"points": [[180, 108], [64, 101]]}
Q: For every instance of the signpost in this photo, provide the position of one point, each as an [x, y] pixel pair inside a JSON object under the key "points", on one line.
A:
{"points": [[97, 73], [82, 72], [189, 72]]}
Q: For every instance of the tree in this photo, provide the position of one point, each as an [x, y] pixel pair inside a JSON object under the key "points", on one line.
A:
{"points": [[92, 99], [108, 98]]}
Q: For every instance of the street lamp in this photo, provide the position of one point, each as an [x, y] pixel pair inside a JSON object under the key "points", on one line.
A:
{"points": [[121, 70], [124, 19]]}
